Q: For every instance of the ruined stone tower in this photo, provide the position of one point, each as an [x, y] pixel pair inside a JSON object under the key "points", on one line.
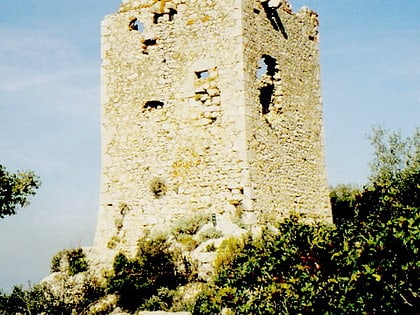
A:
{"points": [[209, 106]]}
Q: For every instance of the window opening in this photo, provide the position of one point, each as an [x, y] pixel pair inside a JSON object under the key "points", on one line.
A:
{"points": [[158, 17], [262, 68], [266, 74], [202, 74], [153, 104], [207, 94], [172, 13], [146, 43], [136, 25], [266, 96]]}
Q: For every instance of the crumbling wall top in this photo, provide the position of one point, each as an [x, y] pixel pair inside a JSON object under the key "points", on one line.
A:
{"points": [[163, 5], [159, 6]]}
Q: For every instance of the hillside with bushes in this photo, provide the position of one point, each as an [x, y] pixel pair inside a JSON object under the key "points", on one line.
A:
{"points": [[367, 262]]}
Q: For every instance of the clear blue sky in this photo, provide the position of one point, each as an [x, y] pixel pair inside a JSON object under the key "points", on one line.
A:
{"points": [[50, 110]]}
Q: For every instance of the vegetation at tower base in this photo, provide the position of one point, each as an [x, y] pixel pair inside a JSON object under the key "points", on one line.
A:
{"points": [[361, 268], [15, 190], [68, 296], [146, 280], [367, 263], [74, 261]]}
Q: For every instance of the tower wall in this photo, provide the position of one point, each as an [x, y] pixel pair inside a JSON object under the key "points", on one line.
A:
{"points": [[284, 130], [183, 127]]}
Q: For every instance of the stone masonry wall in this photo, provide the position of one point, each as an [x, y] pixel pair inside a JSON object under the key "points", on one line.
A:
{"points": [[189, 124], [285, 130]]}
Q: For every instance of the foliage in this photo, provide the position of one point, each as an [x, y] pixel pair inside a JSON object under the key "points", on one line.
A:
{"points": [[227, 251], [141, 281], [189, 225], [393, 182], [394, 186], [15, 190], [66, 297], [209, 233], [343, 201], [393, 155], [320, 269], [368, 264], [74, 261], [77, 261]]}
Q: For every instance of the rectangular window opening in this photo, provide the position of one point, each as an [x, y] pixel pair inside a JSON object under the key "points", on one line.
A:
{"points": [[154, 104]]}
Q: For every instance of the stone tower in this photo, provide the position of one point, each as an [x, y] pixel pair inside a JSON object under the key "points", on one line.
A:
{"points": [[209, 106]]}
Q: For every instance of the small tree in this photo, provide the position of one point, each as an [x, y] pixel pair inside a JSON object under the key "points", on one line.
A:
{"points": [[15, 190], [394, 185]]}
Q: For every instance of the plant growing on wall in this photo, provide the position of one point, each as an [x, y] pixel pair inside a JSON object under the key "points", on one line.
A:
{"points": [[158, 187]]}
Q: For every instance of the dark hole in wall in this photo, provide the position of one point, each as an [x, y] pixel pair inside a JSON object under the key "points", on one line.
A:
{"points": [[146, 43], [172, 13], [266, 95], [135, 25], [149, 42], [153, 104], [202, 74], [271, 65], [266, 73], [267, 66], [157, 17]]}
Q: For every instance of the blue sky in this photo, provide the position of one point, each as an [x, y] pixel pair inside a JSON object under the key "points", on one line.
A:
{"points": [[50, 110]]}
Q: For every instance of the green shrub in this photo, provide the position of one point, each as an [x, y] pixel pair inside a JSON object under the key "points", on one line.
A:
{"points": [[45, 299], [56, 261], [77, 261], [359, 268], [343, 202], [210, 233], [138, 280], [74, 261], [187, 241], [189, 224]]}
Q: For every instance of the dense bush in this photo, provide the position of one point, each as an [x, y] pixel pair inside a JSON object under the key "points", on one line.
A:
{"points": [[343, 203], [72, 261], [367, 264], [319, 269], [65, 297], [145, 281]]}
